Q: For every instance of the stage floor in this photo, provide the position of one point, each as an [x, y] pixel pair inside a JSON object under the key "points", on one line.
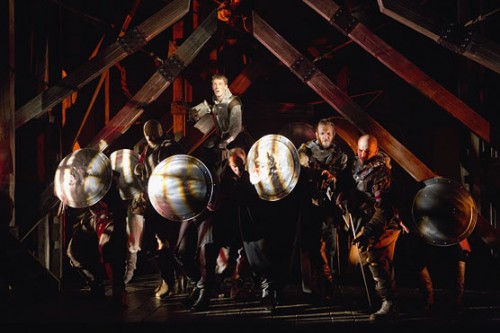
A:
{"points": [[74, 310]]}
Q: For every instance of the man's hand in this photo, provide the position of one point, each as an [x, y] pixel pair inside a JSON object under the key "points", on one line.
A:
{"points": [[328, 176], [361, 241]]}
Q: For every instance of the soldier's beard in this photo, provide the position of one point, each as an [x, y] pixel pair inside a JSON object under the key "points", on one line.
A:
{"points": [[324, 144]]}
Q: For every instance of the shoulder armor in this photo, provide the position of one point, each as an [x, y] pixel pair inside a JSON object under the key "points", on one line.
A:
{"points": [[235, 100]]}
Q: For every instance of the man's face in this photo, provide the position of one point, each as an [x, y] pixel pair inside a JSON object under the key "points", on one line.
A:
{"points": [[325, 134], [153, 134], [366, 150], [237, 165], [219, 88]]}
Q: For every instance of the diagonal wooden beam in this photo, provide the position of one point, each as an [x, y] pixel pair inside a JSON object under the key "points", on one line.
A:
{"points": [[451, 35], [157, 84], [343, 21], [333, 95], [149, 92], [128, 44], [305, 70]]}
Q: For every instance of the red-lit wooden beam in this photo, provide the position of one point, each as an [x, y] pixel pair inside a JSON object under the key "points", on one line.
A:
{"points": [[343, 21], [334, 96], [451, 35], [321, 84], [124, 46], [148, 93]]}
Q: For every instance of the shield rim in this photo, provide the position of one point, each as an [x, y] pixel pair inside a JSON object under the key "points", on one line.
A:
{"points": [[454, 240]]}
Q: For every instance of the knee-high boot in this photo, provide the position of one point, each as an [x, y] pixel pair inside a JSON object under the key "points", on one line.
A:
{"points": [[208, 260], [384, 285], [166, 264], [130, 266]]}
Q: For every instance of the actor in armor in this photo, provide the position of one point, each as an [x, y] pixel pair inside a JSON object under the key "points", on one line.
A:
{"points": [[267, 232], [100, 239], [375, 220], [227, 230], [160, 234], [323, 163], [197, 236], [227, 113]]}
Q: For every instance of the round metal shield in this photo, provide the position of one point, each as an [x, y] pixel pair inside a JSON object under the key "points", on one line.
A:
{"points": [[124, 162], [83, 178], [444, 212], [273, 164], [180, 187]]}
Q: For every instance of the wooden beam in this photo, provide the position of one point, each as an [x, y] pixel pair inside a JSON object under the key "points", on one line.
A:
{"points": [[156, 85], [454, 36], [148, 93], [334, 96], [130, 43], [7, 99], [343, 21]]}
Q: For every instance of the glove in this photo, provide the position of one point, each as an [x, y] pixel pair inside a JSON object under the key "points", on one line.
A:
{"points": [[361, 241]]}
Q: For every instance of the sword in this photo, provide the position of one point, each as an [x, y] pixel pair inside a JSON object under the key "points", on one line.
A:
{"points": [[350, 223]]}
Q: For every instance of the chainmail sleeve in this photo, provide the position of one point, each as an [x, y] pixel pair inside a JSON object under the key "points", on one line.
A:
{"points": [[235, 123]]}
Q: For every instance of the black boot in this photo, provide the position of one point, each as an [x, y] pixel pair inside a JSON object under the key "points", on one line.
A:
{"points": [[166, 264], [203, 301], [94, 282], [97, 289], [193, 297], [207, 258]]}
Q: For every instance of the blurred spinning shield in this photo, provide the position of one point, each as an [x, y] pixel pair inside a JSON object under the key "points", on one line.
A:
{"points": [[273, 164], [444, 212], [83, 178], [180, 187], [124, 162]]}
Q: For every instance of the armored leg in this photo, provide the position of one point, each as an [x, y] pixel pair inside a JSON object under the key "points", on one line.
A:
{"points": [[208, 259], [131, 265], [384, 286], [166, 264]]}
